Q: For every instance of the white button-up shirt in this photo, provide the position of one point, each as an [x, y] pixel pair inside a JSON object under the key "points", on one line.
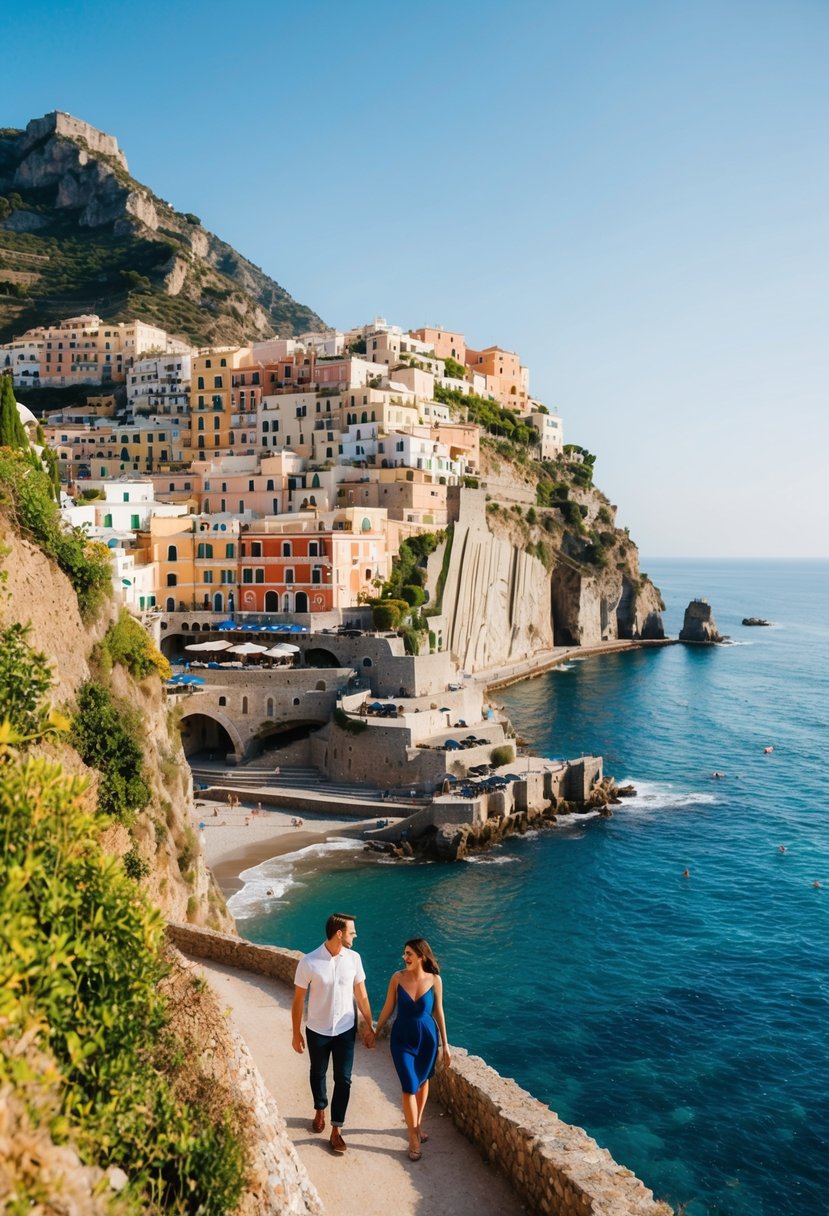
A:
{"points": [[330, 979]]}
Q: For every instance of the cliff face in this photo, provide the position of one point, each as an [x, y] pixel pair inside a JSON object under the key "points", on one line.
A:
{"points": [[511, 590], [35, 592], [85, 236]]}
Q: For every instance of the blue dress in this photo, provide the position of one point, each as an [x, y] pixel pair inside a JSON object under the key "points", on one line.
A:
{"points": [[414, 1039]]}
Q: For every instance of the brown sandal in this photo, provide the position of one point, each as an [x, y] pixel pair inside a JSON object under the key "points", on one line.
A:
{"points": [[414, 1154]]}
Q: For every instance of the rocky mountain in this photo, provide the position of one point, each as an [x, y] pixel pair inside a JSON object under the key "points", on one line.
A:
{"points": [[78, 234]]}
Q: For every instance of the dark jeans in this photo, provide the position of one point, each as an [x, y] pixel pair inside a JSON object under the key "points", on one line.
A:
{"points": [[321, 1049]]}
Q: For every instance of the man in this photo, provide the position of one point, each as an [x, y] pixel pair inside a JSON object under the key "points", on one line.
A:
{"points": [[334, 978]]}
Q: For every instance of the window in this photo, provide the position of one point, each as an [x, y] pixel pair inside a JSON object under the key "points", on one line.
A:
{"points": [[289, 575], [230, 550], [172, 553], [259, 575], [217, 381], [286, 548], [316, 574], [223, 700], [107, 521], [268, 484], [313, 548], [208, 576], [247, 575], [172, 580], [244, 705], [204, 550], [135, 521], [256, 548], [200, 382]]}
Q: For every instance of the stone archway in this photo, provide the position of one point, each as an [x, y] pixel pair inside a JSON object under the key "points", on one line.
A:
{"points": [[209, 731]]}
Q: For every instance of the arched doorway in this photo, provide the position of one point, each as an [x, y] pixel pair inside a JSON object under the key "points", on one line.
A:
{"points": [[272, 601], [301, 602]]}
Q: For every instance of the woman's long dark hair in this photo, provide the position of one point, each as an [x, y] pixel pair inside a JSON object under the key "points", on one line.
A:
{"points": [[424, 952]]}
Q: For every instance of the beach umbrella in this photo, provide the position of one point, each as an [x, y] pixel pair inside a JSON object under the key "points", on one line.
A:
{"points": [[217, 645], [289, 647], [451, 745], [277, 652], [247, 648]]}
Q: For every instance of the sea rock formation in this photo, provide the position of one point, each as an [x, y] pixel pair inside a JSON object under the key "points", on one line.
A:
{"points": [[699, 624]]}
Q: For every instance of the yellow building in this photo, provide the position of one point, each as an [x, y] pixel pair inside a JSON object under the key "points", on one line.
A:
{"points": [[211, 403]]}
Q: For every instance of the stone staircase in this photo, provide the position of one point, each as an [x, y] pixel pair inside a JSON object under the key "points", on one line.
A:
{"points": [[259, 774]]}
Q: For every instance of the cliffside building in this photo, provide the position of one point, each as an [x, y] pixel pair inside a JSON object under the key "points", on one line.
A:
{"points": [[83, 350]]}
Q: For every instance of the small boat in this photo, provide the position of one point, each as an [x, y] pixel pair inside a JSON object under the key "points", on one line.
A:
{"points": [[767, 751]]}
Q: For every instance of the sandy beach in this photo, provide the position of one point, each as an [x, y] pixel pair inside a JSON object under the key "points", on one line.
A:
{"points": [[236, 838]]}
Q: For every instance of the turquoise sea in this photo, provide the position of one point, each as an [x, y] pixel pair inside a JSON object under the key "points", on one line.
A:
{"points": [[682, 1021]]}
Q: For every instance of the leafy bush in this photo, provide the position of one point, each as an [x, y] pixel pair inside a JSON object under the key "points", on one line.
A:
{"points": [[105, 738], [26, 494], [24, 683], [453, 369], [503, 754], [128, 643], [413, 595], [388, 613], [354, 726], [411, 640], [81, 958], [135, 866]]}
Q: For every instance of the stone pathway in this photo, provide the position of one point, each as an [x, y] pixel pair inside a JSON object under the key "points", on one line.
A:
{"points": [[375, 1177]]}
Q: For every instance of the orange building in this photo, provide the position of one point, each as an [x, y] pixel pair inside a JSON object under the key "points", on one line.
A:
{"points": [[446, 345]]}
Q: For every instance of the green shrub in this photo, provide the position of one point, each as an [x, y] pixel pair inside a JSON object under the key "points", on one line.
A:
{"points": [[135, 866], [504, 754], [24, 683], [81, 959], [128, 643], [411, 640], [354, 726], [26, 494], [413, 595], [104, 735], [453, 369]]}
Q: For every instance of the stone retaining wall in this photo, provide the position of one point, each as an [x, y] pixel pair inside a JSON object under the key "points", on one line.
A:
{"points": [[556, 1169]]}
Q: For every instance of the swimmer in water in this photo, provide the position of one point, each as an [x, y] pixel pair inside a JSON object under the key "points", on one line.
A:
{"points": [[781, 848], [686, 873]]}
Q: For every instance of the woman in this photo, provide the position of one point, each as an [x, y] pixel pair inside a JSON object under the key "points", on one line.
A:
{"points": [[416, 994]]}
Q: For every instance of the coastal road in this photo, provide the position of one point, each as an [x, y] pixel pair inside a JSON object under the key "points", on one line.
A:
{"points": [[374, 1177]]}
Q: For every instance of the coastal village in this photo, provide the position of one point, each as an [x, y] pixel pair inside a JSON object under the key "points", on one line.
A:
{"points": [[253, 502], [332, 548]]}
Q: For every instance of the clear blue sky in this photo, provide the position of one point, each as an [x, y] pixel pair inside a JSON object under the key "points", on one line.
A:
{"points": [[633, 195]]}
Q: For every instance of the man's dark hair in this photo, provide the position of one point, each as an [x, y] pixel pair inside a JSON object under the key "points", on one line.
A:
{"points": [[338, 920]]}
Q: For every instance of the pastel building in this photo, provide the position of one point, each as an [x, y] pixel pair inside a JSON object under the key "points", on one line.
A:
{"points": [[507, 381], [83, 350], [211, 402], [313, 564], [551, 432], [160, 384], [445, 344], [197, 562]]}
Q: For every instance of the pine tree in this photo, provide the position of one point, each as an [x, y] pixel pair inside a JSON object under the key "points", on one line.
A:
{"points": [[12, 432]]}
